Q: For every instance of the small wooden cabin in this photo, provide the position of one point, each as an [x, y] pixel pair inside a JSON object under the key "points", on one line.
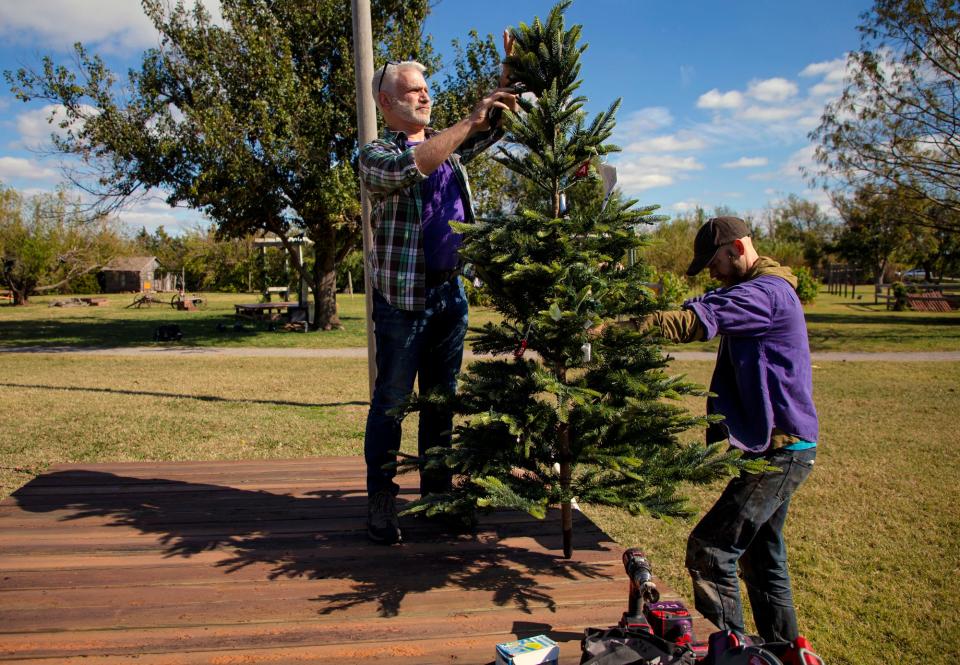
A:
{"points": [[131, 273]]}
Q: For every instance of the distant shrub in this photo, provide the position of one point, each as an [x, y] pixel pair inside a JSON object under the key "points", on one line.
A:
{"points": [[899, 296], [674, 290], [476, 295], [807, 285]]}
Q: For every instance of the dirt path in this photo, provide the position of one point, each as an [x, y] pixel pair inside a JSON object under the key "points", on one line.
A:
{"points": [[216, 351]]}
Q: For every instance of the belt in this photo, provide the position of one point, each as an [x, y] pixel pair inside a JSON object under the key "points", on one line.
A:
{"points": [[437, 277], [781, 440]]}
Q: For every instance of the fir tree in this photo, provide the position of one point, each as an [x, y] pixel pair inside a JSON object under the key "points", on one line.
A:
{"points": [[557, 416]]}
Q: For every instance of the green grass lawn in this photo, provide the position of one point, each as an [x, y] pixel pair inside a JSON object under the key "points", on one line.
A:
{"points": [[873, 534], [835, 324], [115, 325]]}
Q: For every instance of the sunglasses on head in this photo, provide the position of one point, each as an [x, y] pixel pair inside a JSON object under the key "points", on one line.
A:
{"points": [[383, 72]]}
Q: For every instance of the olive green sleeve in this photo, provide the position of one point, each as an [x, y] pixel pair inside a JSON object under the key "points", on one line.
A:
{"points": [[677, 325]]}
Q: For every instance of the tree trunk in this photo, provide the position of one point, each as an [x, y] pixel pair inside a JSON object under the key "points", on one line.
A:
{"points": [[566, 510], [566, 473], [878, 271], [325, 282]]}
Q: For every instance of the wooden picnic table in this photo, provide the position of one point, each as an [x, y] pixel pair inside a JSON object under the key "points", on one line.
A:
{"points": [[264, 311]]}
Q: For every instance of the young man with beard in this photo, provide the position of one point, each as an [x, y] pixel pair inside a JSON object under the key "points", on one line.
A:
{"points": [[762, 385]]}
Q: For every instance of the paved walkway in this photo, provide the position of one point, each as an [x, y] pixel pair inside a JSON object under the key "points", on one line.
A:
{"points": [[252, 352]]}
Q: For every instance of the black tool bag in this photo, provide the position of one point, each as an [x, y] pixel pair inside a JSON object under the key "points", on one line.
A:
{"points": [[168, 333], [614, 646]]}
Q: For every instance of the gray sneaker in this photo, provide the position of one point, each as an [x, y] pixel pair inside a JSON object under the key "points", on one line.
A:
{"points": [[383, 526]]}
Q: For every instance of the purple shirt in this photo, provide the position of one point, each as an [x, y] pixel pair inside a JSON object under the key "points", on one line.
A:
{"points": [[442, 201], [763, 377]]}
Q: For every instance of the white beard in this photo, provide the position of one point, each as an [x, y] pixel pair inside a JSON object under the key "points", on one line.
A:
{"points": [[410, 113]]}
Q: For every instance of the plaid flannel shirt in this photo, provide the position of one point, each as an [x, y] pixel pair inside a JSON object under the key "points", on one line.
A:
{"points": [[392, 180]]}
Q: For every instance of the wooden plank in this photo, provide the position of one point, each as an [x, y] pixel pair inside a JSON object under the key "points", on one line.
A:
{"points": [[249, 635], [268, 562]]}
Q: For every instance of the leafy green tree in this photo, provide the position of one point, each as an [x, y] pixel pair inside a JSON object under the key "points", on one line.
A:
{"points": [[548, 423], [254, 123], [168, 249], [670, 246], [896, 123], [46, 242], [213, 263], [798, 232], [875, 228], [936, 250]]}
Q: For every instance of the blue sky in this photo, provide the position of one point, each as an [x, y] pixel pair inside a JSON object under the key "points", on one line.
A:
{"points": [[718, 97]]}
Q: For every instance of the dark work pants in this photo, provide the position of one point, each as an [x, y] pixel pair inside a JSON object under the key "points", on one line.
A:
{"points": [[745, 526], [426, 346]]}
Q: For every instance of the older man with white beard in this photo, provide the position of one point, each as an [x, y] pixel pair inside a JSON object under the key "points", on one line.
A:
{"points": [[417, 184]]}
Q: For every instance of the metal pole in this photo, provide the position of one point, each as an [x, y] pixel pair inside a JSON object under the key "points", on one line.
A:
{"points": [[367, 131]]}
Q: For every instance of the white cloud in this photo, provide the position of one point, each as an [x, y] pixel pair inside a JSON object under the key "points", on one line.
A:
{"points": [[792, 168], [15, 168], [640, 172], [153, 212], [680, 142], [770, 113], [772, 90], [833, 74], [666, 162], [36, 126], [746, 163], [685, 206], [114, 25], [645, 120], [831, 70], [809, 122], [801, 159], [825, 89], [715, 99]]}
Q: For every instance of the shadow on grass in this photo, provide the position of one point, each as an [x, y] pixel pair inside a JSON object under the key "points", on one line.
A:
{"points": [[198, 328], [201, 329], [201, 398], [883, 319], [323, 536]]}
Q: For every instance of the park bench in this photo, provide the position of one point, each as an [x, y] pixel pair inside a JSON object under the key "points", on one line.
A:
{"points": [[929, 301]]}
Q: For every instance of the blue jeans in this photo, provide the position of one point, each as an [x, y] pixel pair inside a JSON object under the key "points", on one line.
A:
{"points": [[425, 345], [745, 525]]}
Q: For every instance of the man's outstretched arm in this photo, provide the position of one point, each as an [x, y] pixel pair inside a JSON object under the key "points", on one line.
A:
{"points": [[680, 326]]}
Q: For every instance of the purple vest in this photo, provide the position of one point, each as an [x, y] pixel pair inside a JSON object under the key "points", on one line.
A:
{"points": [[442, 200]]}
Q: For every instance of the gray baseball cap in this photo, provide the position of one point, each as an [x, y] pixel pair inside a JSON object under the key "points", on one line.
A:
{"points": [[713, 235]]}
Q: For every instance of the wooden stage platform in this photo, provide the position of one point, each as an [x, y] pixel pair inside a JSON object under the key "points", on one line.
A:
{"points": [[268, 562]]}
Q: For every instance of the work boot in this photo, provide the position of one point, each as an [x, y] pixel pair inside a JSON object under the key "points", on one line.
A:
{"points": [[383, 526]]}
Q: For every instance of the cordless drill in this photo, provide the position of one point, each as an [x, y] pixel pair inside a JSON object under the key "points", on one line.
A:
{"points": [[642, 590]]}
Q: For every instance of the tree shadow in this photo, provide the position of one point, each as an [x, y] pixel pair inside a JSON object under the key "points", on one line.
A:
{"points": [[205, 328], [199, 398], [883, 319], [321, 536], [136, 328]]}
